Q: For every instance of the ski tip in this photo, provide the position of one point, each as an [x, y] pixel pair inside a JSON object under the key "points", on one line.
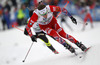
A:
{"points": [[80, 57], [75, 53], [86, 23], [23, 61], [87, 49]]}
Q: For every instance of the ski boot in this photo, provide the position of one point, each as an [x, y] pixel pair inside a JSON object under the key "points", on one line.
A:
{"points": [[70, 48], [53, 49], [56, 52], [81, 46]]}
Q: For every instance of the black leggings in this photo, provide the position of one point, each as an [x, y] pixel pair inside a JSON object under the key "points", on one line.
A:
{"points": [[43, 37]]}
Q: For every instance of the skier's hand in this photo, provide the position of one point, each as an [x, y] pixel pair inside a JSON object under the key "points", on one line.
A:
{"points": [[73, 20], [64, 11], [25, 32], [34, 39]]}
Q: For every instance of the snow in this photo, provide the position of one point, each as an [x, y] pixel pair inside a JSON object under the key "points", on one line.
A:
{"points": [[14, 46]]}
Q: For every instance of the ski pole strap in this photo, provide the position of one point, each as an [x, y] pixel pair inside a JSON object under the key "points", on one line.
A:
{"points": [[66, 12], [61, 11]]}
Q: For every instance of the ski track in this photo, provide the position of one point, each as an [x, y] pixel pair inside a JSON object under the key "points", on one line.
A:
{"points": [[14, 46]]}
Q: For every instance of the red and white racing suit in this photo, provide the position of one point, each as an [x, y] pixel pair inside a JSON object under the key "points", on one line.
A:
{"points": [[87, 15], [50, 25]]}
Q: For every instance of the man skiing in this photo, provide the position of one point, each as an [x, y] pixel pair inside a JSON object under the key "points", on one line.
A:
{"points": [[48, 23], [40, 34], [63, 20], [86, 10]]}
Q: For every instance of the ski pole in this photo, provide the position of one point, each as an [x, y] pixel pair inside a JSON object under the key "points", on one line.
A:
{"points": [[27, 52], [17, 28], [64, 7], [30, 46]]}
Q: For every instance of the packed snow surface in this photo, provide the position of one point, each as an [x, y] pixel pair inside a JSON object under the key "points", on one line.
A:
{"points": [[14, 46]]}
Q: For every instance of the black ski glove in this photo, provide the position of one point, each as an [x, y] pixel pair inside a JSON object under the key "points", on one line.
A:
{"points": [[25, 32], [73, 20], [33, 37]]}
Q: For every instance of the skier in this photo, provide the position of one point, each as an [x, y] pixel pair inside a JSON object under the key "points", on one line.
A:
{"points": [[63, 16], [40, 34], [48, 23], [86, 10], [63, 20]]}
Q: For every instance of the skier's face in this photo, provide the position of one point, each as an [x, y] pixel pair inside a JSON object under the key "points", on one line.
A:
{"points": [[45, 16], [43, 12]]}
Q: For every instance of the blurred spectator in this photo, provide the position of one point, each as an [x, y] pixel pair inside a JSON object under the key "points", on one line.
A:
{"points": [[98, 2], [1, 10], [26, 11], [14, 16], [14, 3], [6, 18], [26, 2], [7, 6], [2, 18], [20, 16], [23, 1], [47, 2]]}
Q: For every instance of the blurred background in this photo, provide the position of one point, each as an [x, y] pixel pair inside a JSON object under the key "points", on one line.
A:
{"points": [[14, 44], [15, 12]]}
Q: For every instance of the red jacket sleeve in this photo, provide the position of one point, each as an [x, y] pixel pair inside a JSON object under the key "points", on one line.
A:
{"points": [[32, 20], [59, 9], [54, 8]]}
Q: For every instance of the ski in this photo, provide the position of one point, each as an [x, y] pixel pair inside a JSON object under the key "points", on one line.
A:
{"points": [[81, 54], [84, 52], [87, 49], [76, 54]]}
